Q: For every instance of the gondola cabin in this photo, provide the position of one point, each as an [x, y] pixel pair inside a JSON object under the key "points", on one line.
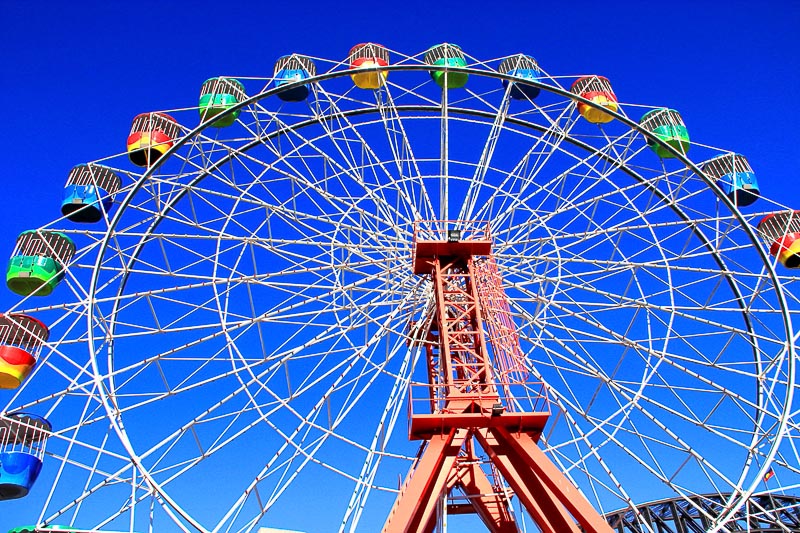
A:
{"points": [[21, 338], [596, 89], [37, 264], [668, 127], [152, 134], [22, 441], [34, 529], [290, 70], [89, 193], [781, 232], [217, 95], [525, 68], [735, 177], [448, 59], [364, 57]]}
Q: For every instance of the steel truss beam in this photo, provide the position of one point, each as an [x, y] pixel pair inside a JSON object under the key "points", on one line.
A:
{"points": [[467, 412]]}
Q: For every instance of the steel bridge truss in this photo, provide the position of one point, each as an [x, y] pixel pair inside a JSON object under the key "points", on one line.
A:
{"points": [[763, 513]]}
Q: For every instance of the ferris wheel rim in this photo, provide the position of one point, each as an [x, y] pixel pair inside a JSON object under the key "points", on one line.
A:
{"points": [[518, 122], [776, 284]]}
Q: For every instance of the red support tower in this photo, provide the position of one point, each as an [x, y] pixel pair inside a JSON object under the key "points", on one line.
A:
{"points": [[467, 404]]}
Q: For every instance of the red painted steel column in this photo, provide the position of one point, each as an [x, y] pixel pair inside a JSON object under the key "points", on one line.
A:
{"points": [[465, 404], [417, 501]]}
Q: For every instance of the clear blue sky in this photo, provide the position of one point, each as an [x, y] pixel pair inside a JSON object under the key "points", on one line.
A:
{"points": [[75, 73]]}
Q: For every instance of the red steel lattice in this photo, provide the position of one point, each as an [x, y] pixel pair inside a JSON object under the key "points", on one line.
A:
{"points": [[503, 336], [466, 409]]}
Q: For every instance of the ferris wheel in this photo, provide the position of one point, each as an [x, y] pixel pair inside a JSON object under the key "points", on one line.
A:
{"points": [[231, 326]]}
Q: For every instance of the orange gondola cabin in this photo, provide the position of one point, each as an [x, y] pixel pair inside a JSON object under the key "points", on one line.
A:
{"points": [[781, 232], [596, 89], [152, 134], [363, 59], [21, 339]]}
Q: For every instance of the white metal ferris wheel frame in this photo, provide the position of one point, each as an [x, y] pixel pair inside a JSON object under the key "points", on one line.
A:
{"points": [[444, 107]]}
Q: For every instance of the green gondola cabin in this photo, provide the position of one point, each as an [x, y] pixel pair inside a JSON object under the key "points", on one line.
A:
{"points": [[89, 193], [38, 262], [35, 529], [735, 177], [448, 60], [667, 126], [22, 443], [363, 59], [217, 95], [596, 89], [781, 232], [292, 69], [525, 68], [151, 136], [21, 339]]}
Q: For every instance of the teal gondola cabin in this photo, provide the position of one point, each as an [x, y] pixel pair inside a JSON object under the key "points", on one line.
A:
{"points": [[447, 59], [38, 262], [218, 95], [667, 126]]}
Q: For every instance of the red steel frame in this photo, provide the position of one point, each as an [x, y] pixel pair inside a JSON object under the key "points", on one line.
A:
{"points": [[467, 410]]}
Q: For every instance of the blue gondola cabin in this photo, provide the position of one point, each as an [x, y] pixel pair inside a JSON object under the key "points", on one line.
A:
{"points": [[735, 177], [89, 193], [21, 339], [38, 262], [781, 232], [289, 70], [525, 68], [22, 442]]}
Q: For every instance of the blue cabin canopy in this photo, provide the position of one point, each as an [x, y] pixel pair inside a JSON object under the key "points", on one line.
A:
{"points": [[22, 443], [290, 69], [89, 193], [523, 67], [735, 177]]}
